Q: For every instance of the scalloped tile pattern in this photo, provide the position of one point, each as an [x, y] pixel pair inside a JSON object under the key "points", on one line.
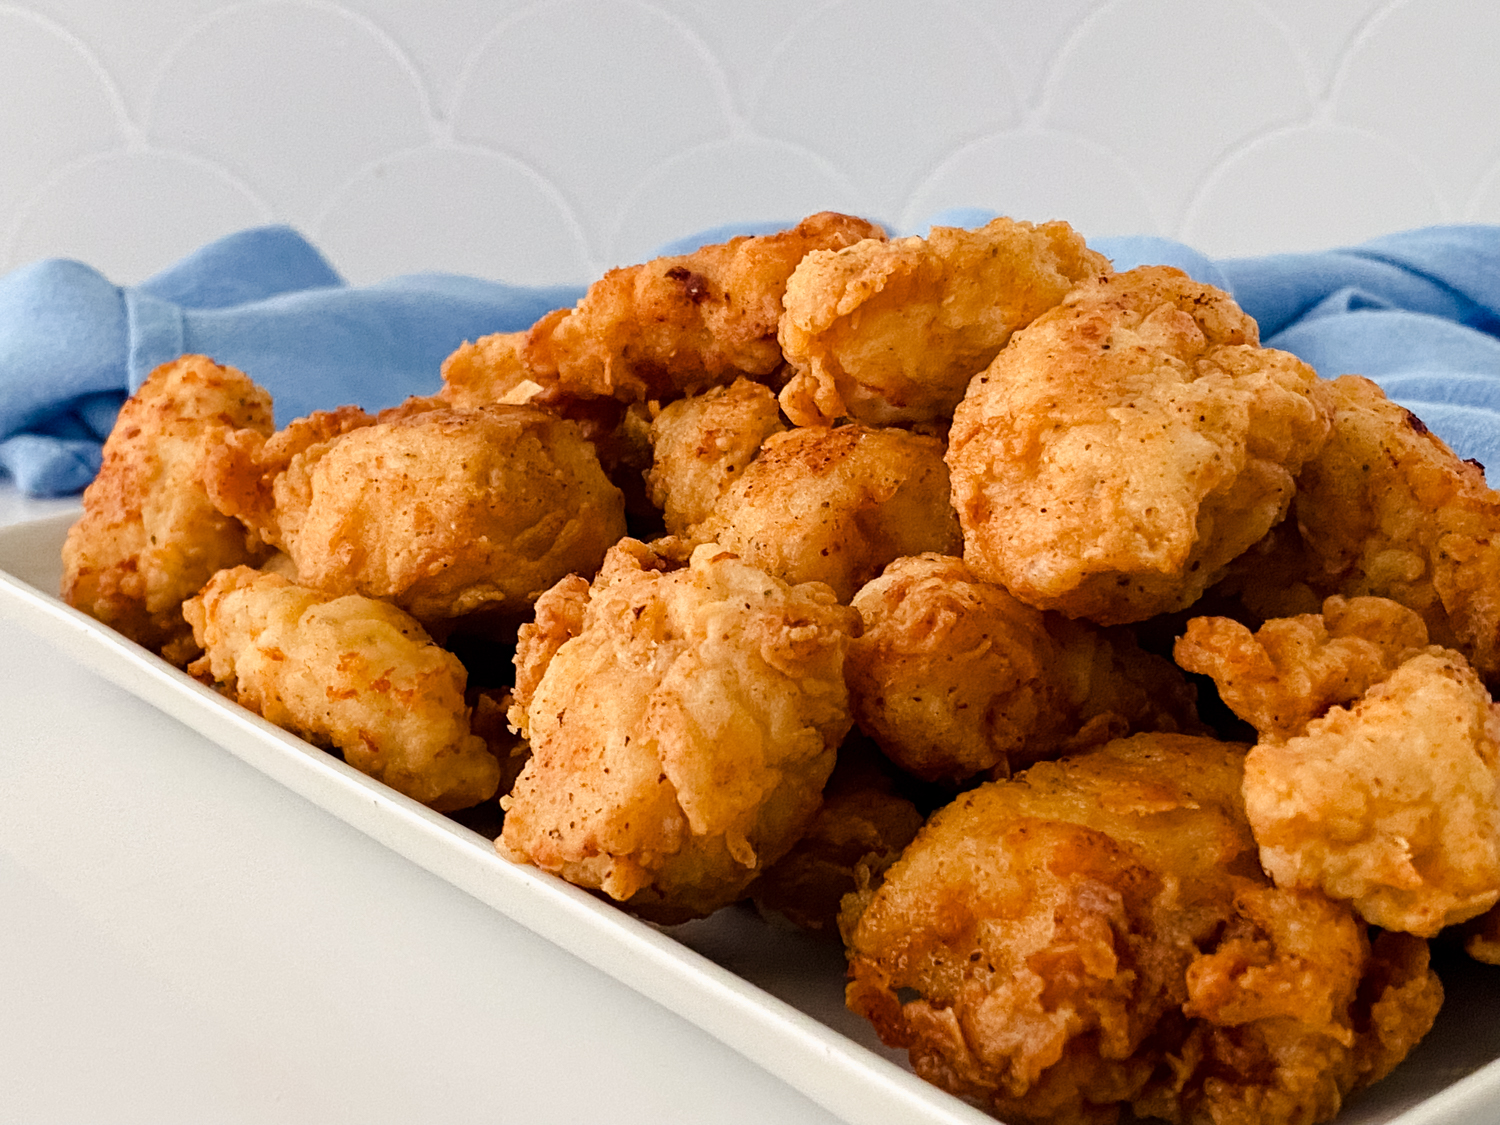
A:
{"points": [[542, 141]]}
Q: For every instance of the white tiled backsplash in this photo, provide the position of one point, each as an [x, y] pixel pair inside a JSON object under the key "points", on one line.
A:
{"points": [[542, 142]]}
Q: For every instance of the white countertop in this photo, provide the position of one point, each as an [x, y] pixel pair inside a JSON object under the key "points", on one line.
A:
{"points": [[184, 940]]}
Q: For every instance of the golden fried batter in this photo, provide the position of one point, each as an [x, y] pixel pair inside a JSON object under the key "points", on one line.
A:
{"points": [[557, 618], [349, 672], [242, 468], [837, 505], [701, 444], [1127, 445], [488, 370], [1095, 934], [1387, 509], [889, 332], [1291, 1012], [681, 730], [954, 677], [1377, 774], [681, 324], [149, 537], [1392, 802], [1293, 669], [441, 511]]}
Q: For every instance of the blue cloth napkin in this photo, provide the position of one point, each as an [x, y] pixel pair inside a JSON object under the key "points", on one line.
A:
{"points": [[1418, 311], [72, 344]]}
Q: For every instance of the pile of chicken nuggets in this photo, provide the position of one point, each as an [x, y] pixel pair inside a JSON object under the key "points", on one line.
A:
{"points": [[1116, 688]]}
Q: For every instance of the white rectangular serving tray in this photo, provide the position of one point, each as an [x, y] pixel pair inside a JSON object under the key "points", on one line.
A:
{"points": [[773, 995]]}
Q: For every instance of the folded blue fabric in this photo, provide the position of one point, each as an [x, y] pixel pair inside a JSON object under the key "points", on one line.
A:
{"points": [[72, 344], [1417, 311]]}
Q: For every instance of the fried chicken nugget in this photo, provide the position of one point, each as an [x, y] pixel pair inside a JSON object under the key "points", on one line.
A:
{"points": [[954, 677], [1377, 773], [1393, 802], [887, 332], [676, 325], [1386, 508], [1127, 445], [682, 725], [701, 444], [491, 371], [837, 505], [1291, 1012], [346, 672], [149, 536], [441, 511], [1094, 933], [1293, 669]]}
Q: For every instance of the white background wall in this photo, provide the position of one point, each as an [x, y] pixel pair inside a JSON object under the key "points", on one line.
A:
{"points": [[544, 141]]}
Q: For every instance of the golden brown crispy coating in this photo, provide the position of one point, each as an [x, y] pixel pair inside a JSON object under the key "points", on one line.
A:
{"points": [[149, 537], [1293, 669], [954, 677], [1094, 933], [1393, 802], [241, 470], [557, 618], [443, 512], [836, 505], [886, 332], [1049, 917], [1387, 509], [1127, 445], [681, 731], [681, 324], [1292, 1012], [1377, 774], [861, 829], [488, 370], [1407, 998], [701, 444], [347, 672], [491, 371]]}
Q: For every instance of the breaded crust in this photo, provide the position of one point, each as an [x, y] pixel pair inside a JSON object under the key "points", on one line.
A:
{"points": [[1386, 508], [1095, 934], [149, 537], [681, 324], [441, 511], [837, 504], [1120, 451], [886, 332], [350, 673], [954, 677], [682, 727]]}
